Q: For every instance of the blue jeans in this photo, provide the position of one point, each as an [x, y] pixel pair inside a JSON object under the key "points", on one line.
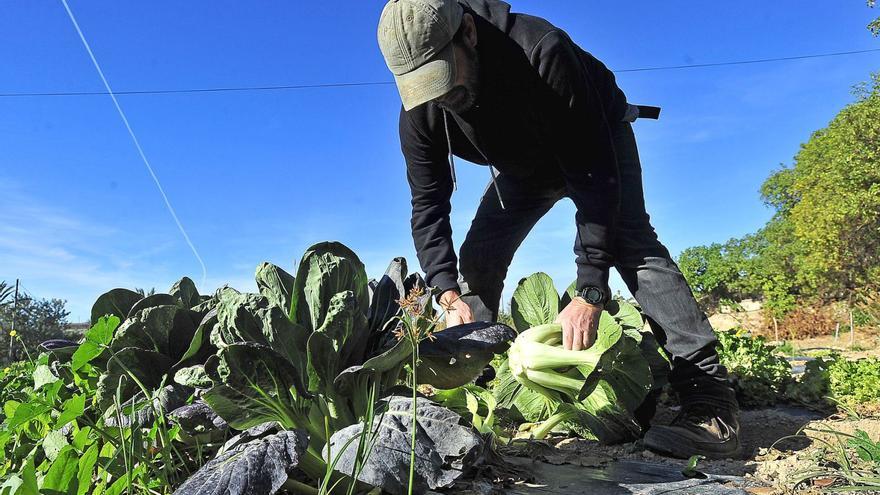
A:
{"points": [[643, 263]]}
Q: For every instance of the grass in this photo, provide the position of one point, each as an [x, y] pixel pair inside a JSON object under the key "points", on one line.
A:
{"points": [[848, 463]]}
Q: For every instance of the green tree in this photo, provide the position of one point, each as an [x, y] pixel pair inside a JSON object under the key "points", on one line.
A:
{"points": [[823, 242], [723, 271], [831, 198], [36, 321], [875, 24]]}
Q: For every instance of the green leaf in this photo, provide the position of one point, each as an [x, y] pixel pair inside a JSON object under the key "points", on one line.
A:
{"points": [[326, 269], [347, 327], [151, 302], [276, 284], [473, 407], [568, 295], [96, 339], [167, 330], [323, 363], [535, 302], [117, 302], [200, 343], [27, 412], [53, 443], [10, 407], [43, 376], [84, 438], [148, 367], [193, 376], [29, 478], [71, 410], [691, 470], [252, 385], [121, 483], [625, 314], [85, 468], [185, 291], [243, 318], [12, 485], [388, 363], [62, 473]]}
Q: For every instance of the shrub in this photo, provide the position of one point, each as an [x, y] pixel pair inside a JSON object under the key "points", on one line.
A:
{"points": [[805, 322], [758, 372]]}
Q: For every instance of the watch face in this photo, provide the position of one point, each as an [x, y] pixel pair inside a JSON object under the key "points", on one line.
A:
{"points": [[592, 295]]}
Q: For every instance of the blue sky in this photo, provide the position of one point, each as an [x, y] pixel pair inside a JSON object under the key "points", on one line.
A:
{"points": [[262, 175]]}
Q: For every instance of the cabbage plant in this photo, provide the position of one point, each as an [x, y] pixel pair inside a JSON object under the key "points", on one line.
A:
{"points": [[593, 392], [298, 368], [322, 352]]}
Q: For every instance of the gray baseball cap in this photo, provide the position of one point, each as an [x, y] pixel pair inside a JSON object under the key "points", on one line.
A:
{"points": [[415, 37]]}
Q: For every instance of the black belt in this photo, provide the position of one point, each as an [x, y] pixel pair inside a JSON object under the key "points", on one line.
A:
{"points": [[648, 112]]}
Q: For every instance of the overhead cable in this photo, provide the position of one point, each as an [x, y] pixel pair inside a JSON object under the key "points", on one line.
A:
{"points": [[287, 87]]}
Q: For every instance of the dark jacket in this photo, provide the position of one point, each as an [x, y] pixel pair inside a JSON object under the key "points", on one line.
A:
{"points": [[543, 107]]}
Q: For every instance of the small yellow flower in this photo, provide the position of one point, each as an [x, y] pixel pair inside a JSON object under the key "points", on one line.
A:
{"points": [[7, 369], [13, 333]]}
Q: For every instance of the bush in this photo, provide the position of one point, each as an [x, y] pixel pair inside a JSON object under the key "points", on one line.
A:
{"points": [[834, 380], [805, 322], [867, 307], [758, 372], [855, 382]]}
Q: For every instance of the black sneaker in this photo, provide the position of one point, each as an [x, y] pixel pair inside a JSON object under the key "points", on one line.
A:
{"points": [[700, 429]]}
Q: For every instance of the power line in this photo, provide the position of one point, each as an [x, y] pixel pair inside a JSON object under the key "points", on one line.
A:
{"points": [[206, 90], [137, 143], [388, 83], [746, 62]]}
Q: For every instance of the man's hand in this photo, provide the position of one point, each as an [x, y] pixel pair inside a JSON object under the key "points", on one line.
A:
{"points": [[457, 311], [580, 321]]}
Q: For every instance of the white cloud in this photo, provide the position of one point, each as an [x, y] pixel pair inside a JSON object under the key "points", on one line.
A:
{"points": [[58, 254]]}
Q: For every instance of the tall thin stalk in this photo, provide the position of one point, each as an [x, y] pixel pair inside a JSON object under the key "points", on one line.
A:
{"points": [[416, 325], [412, 447]]}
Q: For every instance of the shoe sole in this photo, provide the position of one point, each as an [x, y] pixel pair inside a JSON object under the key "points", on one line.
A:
{"points": [[664, 443]]}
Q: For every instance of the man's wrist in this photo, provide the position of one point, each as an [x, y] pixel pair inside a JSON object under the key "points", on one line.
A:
{"points": [[583, 302], [448, 297]]}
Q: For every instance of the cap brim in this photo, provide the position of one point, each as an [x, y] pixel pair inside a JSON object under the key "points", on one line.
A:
{"points": [[432, 80]]}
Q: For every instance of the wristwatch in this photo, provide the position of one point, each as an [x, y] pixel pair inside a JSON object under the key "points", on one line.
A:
{"points": [[592, 295]]}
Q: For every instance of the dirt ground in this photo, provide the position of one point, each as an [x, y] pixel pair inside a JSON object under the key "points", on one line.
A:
{"points": [[778, 445]]}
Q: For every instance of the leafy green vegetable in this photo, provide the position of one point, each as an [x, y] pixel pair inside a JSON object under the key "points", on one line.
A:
{"points": [[159, 381], [833, 380], [534, 302], [276, 284], [471, 401], [690, 471], [812, 388], [592, 392], [117, 302], [325, 270], [855, 382], [184, 290], [759, 373], [253, 384]]}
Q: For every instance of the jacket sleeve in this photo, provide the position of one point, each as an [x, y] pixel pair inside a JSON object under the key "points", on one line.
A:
{"points": [[430, 182], [584, 150]]}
